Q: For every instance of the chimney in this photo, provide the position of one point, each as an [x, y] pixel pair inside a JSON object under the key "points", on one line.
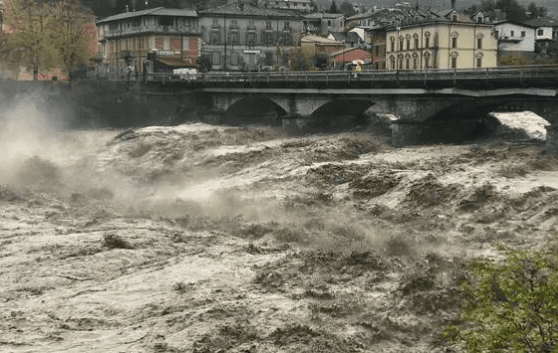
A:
{"points": [[453, 4]]}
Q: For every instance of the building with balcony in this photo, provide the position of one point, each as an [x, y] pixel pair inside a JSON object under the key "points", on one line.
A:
{"points": [[323, 23], [303, 6], [128, 38], [514, 38], [241, 37], [447, 40]]}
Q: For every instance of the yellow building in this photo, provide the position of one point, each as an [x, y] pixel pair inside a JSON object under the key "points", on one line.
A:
{"points": [[440, 41]]}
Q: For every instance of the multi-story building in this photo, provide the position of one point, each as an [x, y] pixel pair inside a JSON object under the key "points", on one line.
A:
{"points": [[446, 40], [126, 39], [303, 6], [515, 38], [323, 23], [244, 37]]}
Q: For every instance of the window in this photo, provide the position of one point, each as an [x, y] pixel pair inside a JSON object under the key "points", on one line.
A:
{"points": [[496, 33], [408, 44], [454, 17], [216, 58], [215, 22], [233, 23], [215, 38], [400, 44], [392, 45], [540, 32], [186, 22], [234, 58], [415, 62], [268, 25], [453, 63], [251, 39], [479, 62], [329, 22], [286, 26], [166, 21], [523, 33], [250, 23], [400, 63], [407, 66], [427, 42], [426, 62], [479, 19], [479, 43], [269, 39], [512, 33], [234, 38], [454, 43], [113, 26], [159, 43], [166, 43], [186, 44], [416, 43], [392, 62]]}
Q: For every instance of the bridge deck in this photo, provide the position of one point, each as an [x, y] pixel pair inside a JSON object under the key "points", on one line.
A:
{"points": [[535, 76]]}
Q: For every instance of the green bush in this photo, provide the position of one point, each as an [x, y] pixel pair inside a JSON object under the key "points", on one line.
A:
{"points": [[510, 306]]}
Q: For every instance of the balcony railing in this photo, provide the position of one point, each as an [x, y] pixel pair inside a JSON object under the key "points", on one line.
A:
{"points": [[150, 28]]}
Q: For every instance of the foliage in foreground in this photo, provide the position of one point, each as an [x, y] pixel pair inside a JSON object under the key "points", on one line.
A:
{"points": [[510, 306]]}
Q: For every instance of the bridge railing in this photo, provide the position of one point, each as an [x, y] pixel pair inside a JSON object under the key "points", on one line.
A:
{"points": [[499, 73]]}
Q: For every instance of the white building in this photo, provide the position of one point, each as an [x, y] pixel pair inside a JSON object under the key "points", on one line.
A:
{"points": [[514, 37], [546, 28], [299, 5]]}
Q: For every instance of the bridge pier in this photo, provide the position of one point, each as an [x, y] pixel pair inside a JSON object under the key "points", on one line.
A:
{"points": [[552, 139]]}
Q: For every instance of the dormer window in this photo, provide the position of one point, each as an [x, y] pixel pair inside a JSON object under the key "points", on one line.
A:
{"points": [[454, 17]]}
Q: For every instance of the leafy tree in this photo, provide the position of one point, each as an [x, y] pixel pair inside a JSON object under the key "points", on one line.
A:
{"points": [[513, 10], [511, 306], [74, 35], [347, 9], [28, 31], [333, 7], [320, 61], [536, 11], [204, 64]]}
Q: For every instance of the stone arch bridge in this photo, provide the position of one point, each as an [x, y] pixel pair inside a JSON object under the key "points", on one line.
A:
{"points": [[423, 114]]}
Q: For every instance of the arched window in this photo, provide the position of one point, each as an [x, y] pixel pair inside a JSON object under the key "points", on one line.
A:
{"points": [[454, 56], [400, 62], [407, 62], [416, 39], [392, 62], [427, 40], [427, 60], [392, 40], [415, 61], [479, 59]]}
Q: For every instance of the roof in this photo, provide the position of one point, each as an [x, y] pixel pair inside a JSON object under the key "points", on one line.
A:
{"points": [[324, 15], [542, 22], [249, 11], [158, 11], [318, 39], [515, 23], [349, 37]]}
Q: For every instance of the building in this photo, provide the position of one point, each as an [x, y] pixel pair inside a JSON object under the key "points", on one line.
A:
{"points": [[515, 39], [241, 37], [314, 45], [351, 39], [127, 39], [546, 28], [447, 40], [303, 6], [323, 23], [375, 41], [348, 55]]}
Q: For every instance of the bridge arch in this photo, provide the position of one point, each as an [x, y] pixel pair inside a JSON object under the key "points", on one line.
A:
{"points": [[341, 113], [254, 110]]}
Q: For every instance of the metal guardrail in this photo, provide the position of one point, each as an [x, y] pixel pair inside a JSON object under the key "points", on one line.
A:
{"points": [[549, 72]]}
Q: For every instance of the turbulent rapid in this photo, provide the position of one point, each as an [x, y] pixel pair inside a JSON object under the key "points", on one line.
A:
{"points": [[203, 238]]}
